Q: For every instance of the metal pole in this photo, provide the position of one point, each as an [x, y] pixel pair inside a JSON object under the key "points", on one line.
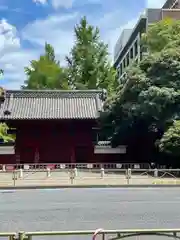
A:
{"points": [[128, 180], [72, 180], [127, 176], [29, 237], [72, 176], [14, 178], [21, 235], [103, 236], [11, 237]]}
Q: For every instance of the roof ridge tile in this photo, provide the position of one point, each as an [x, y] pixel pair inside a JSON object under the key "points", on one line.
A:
{"points": [[53, 93]]}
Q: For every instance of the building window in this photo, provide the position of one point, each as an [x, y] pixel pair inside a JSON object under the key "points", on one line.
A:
{"points": [[124, 63], [118, 71], [176, 5], [121, 69], [122, 66], [131, 53], [136, 48], [127, 57], [141, 55]]}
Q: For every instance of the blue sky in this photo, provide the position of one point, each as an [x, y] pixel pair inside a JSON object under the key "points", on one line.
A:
{"points": [[25, 25]]}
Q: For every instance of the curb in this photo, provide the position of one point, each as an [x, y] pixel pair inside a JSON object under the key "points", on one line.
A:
{"points": [[91, 186]]}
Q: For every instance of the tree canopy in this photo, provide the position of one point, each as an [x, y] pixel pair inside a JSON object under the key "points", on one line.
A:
{"points": [[170, 141], [46, 73], [161, 35], [88, 63], [149, 102], [4, 135]]}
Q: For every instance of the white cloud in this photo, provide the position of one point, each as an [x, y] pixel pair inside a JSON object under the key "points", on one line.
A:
{"points": [[14, 58], [155, 3], [12, 55], [13, 64], [8, 37], [56, 3], [54, 31], [62, 3], [40, 1]]}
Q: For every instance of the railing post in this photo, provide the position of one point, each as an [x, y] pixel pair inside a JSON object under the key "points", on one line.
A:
{"points": [[72, 176], [12, 237], [102, 173], [103, 236], [14, 177], [75, 172], [48, 172], [155, 172], [4, 168], [29, 237], [20, 173], [128, 175], [21, 235]]}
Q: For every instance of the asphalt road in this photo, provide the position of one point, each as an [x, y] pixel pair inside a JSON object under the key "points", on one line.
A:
{"points": [[79, 209]]}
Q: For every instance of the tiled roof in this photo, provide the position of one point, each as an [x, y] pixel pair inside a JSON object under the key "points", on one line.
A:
{"points": [[51, 104]]}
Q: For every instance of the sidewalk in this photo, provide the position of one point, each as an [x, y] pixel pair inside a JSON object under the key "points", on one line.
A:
{"points": [[83, 179], [87, 182]]}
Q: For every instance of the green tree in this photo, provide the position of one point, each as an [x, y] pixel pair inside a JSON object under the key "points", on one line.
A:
{"points": [[148, 103], [3, 126], [170, 141], [163, 34], [4, 135], [45, 73], [2, 91], [88, 63]]}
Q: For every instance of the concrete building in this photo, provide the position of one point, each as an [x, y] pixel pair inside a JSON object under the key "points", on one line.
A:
{"points": [[128, 47]]}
